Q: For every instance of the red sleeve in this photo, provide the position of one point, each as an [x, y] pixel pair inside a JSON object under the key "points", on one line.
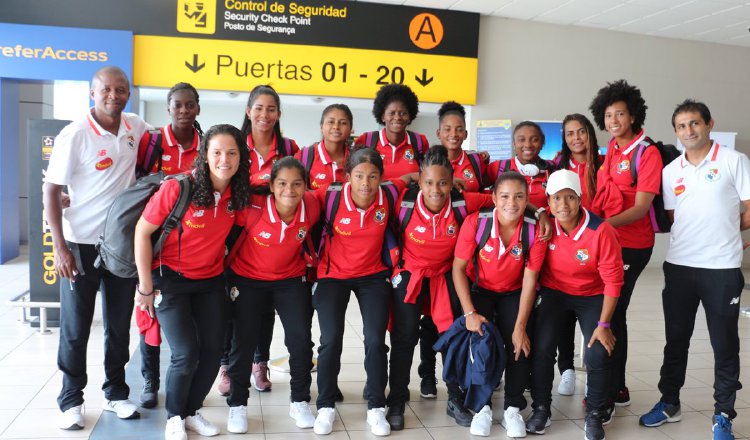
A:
{"points": [[477, 201], [159, 206], [609, 260], [649, 171], [295, 147], [490, 175], [425, 143], [361, 139], [536, 254], [313, 207], [298, 155], [466, 244]]}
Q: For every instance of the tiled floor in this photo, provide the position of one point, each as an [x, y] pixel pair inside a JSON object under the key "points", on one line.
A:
{"points": [[29, 383]]}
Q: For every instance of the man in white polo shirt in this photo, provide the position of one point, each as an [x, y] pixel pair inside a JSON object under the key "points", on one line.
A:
{"points": [[704, 190], [95, 157]]}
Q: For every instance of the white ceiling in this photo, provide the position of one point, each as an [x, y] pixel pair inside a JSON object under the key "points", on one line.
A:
{"points": [[716, 21]]}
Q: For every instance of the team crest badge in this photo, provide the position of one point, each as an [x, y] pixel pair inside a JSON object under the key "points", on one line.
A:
{"points": [[712, 175], [623, 166], [301, 234], [451, 230], [409, 154], [582, 255], [265, 177], [396, 280], [468, 175], [380, 215], [131, 142], [516, 251]]}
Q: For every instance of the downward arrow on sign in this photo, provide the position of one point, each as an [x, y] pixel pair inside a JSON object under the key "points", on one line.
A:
{"points": [[195, 67], [424, 80]]}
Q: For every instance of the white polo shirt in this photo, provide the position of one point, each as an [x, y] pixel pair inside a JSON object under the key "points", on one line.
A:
{"points": [[706, 200], [96, 166]]}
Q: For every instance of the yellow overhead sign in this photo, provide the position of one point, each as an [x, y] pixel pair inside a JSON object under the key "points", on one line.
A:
{"points": [[299, 69]]}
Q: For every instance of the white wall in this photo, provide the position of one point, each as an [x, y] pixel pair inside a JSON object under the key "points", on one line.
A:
{"points": [[542, 71]]}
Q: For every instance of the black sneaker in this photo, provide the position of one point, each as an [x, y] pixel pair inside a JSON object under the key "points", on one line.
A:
{"points": [[395, 417], [593, 425], [339, 395], [458, 412], [607, 414], [623, 397], [539, 420], [428, 387], [150, 394]]}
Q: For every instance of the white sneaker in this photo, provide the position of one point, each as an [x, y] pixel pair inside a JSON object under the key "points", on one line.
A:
{"points": [[300, 412], [124, 409], [71, 419], [324, 422], [175, 429], [482, 422], [567, 386], [237, 419], [199, 425], [378, 424], [513, 423]]}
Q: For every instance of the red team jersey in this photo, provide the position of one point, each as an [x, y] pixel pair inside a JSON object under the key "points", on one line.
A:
{"points": [[272, 250], [324, 170], [354, 249], [200, 254], [398, 160], [463, 169], [587, 262], [174, 159], [501, 267], [537, 184], [619, 160], [260, 167]]}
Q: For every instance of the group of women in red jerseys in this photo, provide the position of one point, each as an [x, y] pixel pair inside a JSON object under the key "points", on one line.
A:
{"points": [[524, 246]]}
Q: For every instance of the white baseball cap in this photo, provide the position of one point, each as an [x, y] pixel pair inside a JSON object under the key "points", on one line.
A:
{"points": [[563, 179]]}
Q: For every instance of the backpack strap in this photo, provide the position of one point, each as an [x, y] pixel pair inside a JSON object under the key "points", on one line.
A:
{"points": [[371, 139], [638, 155], [458, 205], [474, 159], [253, 215], [407, 208], [419, 148], [153, 153], [484, 228], [528, 235], [504, 166], [174, 218], [308, 156], [288, 146], [332, 201]]}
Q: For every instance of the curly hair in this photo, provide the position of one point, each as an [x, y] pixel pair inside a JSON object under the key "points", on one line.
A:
{"points": [[395, 93], [189, 87], [203, 194], [451, 108], [592, 152], [363, 154], [247, 126], [615, 92]]}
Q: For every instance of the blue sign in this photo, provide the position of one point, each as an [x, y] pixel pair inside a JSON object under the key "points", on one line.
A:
{"points": [[58, 53]]}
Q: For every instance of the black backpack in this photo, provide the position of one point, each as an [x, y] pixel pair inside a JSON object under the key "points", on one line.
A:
{"points": [[115, 245], [657, 214]]}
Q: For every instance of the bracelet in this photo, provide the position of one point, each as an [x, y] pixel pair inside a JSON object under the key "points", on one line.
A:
{"points": [[538, 212], [138, 289], [470, 313], [603, 324]]}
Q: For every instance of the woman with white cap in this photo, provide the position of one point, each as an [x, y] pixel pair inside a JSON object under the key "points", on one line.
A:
{"points": [[583, 273]]}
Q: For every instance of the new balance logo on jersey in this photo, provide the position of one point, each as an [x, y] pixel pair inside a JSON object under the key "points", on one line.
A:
{"points": [[345, 221], [420, 229], [265, 235], [735, 300], [320, 176]]}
